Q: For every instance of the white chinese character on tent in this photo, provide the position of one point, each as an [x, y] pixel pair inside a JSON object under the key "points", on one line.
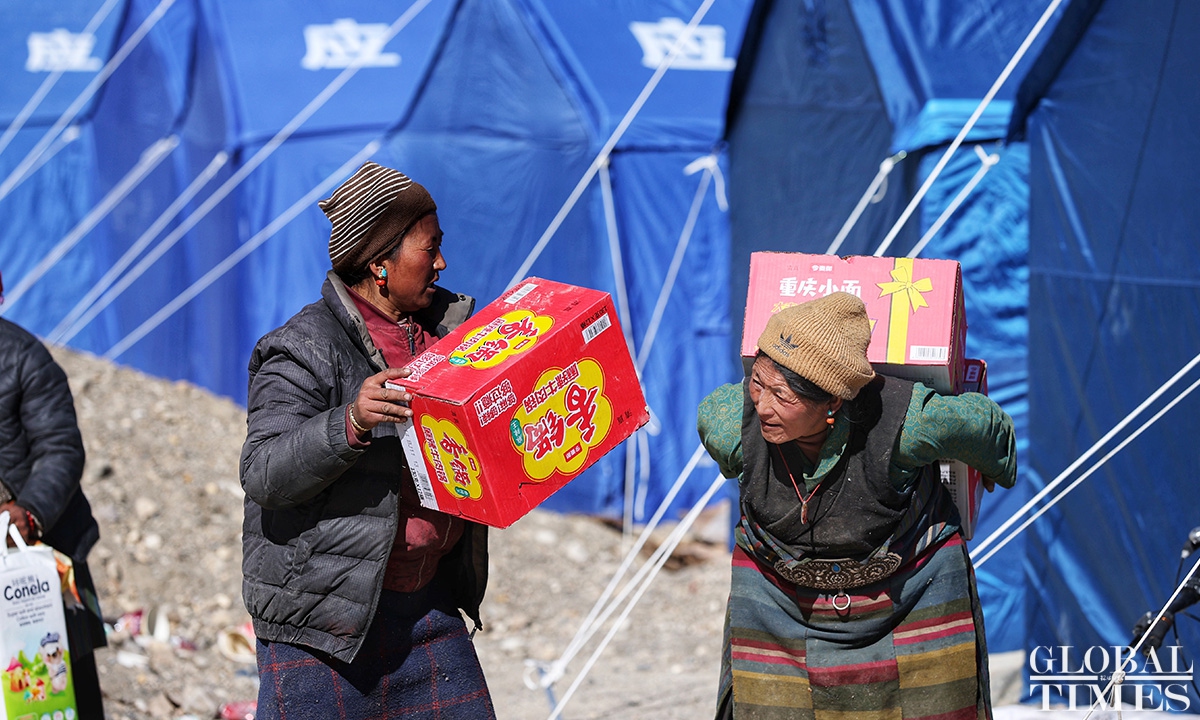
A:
{"points": [[61, 51], [787, 287], [344, 43], [852, 287], [704, 50], [808, 287]]}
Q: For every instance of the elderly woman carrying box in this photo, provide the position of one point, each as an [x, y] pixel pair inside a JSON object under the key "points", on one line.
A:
{"points": [[355, 590], [852, 590]]}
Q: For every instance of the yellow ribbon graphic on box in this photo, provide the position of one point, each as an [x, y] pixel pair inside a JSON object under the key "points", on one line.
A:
{"points": [[910, 298]]}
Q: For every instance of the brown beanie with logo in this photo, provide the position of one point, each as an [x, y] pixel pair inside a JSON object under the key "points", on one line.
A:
{"points": [[824, 341], [373, 209]]}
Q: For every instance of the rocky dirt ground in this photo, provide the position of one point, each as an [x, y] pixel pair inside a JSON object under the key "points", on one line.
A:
{"points": [[162, 479]]}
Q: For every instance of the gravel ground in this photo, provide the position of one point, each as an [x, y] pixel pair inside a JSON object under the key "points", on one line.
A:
{"points": [[162, 479]]}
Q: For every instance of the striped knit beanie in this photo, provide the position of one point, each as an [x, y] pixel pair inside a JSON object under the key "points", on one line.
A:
{"points": [[824, 341], [370, 213]]}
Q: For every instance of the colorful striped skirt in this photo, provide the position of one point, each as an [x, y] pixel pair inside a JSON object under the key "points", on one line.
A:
{"points": [[416, 663], [911, 646]]}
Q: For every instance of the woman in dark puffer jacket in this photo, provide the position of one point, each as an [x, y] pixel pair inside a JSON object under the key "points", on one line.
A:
{"points": [[41, 464], [355, 589]]}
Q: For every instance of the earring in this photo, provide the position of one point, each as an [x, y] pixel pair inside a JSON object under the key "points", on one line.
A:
{"points": [[829, 419], [381, 281]]}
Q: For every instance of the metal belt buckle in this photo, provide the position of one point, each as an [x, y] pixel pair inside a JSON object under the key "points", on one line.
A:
{"points": [[838, 574]]}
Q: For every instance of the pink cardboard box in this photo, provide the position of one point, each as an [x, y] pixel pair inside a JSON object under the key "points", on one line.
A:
{"points": [[965, 483], [520, 399], [918, 321]]}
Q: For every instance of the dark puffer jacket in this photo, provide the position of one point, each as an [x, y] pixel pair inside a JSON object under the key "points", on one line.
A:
{"points": [[320, 516], [41, 451]]}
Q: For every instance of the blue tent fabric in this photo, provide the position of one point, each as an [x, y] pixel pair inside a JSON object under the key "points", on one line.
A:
{"points": [[500, 144], [1115, 289]]}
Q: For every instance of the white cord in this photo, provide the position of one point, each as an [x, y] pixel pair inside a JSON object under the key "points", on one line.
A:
{"points": [[257, 159], [962, 134], [614, 252], [1119, 675], [245, 249], [667, 548], [84, 310], [590, 625], [149, 160], [606, 150], [870, 196], [1154, 418], [711, 170], [1084, 457], [44, 89], [986, 162], [19, 172]]}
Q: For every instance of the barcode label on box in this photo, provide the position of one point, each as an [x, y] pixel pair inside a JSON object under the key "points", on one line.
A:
{"points": [[416, 464], [520, 293], [937, 353], [601, 324]]}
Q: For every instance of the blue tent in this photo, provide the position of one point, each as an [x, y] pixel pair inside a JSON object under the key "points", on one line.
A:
{"points": [[500, 144], [168, 220], [1114, 307]]}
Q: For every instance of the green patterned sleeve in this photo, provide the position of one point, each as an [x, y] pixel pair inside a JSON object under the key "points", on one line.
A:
{"points": [[719, 422], [970, 427]]}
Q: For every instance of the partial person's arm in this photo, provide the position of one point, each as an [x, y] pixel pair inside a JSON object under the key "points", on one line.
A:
{"points": [[719, 422], [55, 445], [970, 427], [296, 444]]}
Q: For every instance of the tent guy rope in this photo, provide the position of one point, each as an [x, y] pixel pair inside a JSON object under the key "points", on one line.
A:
{"points": [[151, 158], [872, 195], [252, 164], [23, 168], [1099, 463], [606, 150], [664, 553], [962, 134], [998, 532], [88, 306], [44, 89], [1119, 676], [986, 161]]}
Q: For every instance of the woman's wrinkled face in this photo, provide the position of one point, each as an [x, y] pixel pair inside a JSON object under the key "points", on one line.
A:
{"points": [[782, 414], [415, 267]]}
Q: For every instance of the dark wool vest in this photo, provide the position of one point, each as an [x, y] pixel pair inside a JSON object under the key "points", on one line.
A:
{"points": [[856, 509]]}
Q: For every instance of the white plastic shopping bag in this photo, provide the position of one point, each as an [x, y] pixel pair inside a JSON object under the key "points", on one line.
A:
{"points": [[36, 683]]}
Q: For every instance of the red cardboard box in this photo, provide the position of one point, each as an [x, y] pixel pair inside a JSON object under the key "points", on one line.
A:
{"points": [[965, 483], [918, 321], [520, 399]]}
